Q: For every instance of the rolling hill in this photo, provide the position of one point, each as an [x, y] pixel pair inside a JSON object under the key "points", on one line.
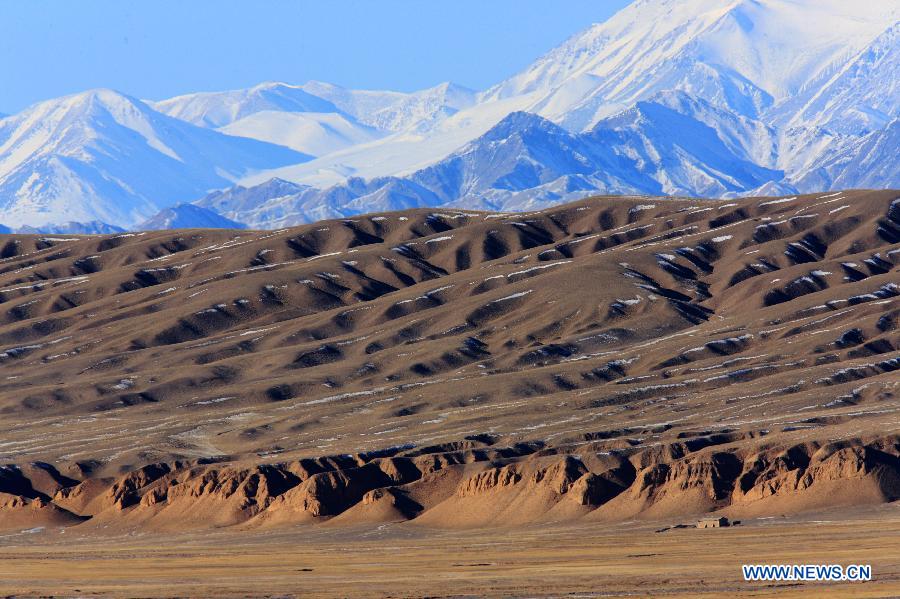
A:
{"points": [[604, 360]]}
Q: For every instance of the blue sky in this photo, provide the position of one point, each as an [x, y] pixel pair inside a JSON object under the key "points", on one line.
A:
{"points": [[160, 48]]}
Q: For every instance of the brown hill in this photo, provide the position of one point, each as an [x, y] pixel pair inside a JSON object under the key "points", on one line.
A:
{"points": [[607, 359]]}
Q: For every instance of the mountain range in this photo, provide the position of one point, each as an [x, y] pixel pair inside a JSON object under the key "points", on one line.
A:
{"points": [[714, 98], [102, 155]]}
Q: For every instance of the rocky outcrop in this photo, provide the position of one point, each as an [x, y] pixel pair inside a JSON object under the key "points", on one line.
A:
{"points": [[22, 513], [808, 477], [469, 487]]}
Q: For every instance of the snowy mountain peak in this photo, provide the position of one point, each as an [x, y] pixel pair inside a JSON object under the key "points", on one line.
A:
{"points": [[387, 110], [517, 122], [101, 102], [102, 155], [217, 109], [91, 102], [451, 94], [66, 124], [188, 216], [396, 111], [743, 54]]}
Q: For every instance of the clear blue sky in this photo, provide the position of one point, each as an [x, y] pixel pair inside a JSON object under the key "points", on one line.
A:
{"points": [[159, 48]]}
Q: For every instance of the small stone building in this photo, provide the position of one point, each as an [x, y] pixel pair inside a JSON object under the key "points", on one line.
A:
{"points": [[712, 522]]}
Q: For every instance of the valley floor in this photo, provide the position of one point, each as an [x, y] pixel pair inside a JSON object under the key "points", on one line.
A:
{"points": [[406, 560]]}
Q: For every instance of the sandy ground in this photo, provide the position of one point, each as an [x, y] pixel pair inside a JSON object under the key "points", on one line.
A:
{"points": [[405, 560]]}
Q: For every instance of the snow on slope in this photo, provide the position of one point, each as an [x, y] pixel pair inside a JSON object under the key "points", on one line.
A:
{"points": [[396, 111], [658, 147], [101, 155], [746, 55], [73, 228], [277, 113], [382, 110], [698, 97], [187, 216], [870, 162], [217, 109], [861, 96], [313, 133], [522, 151], [796, 72], [683, 154], [249, 204], [317, 118], [527, 162], [276, 203], [399, 153]]}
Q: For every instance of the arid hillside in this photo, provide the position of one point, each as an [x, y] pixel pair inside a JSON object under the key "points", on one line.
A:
{"points": [[610, 359]]}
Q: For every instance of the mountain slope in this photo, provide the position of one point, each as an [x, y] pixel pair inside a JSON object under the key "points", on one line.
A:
{"points": [[743, 55], [686, 156], [696, 97], [312, 133], [396, 111], [526, 162], [522, 151], [867, 162], [779, 93], [860, 97], [657, 147], [277, 204], [73, 228], [101, 155], [187, 216], [217, 109], [273, 112]]}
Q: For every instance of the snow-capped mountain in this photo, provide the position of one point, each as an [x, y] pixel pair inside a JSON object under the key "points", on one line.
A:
{"points": [[745, 55], [383, 110], [527, 162], [188, 216], [317, 118], [73, 228], [396, 111], [102, 155], [278, 203], [260, 206], [313, 133], [217, 109], [793, 82], [273, 112], [666, 139], [860, 96], [689, 97], [868, 162], [659, 147]]}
